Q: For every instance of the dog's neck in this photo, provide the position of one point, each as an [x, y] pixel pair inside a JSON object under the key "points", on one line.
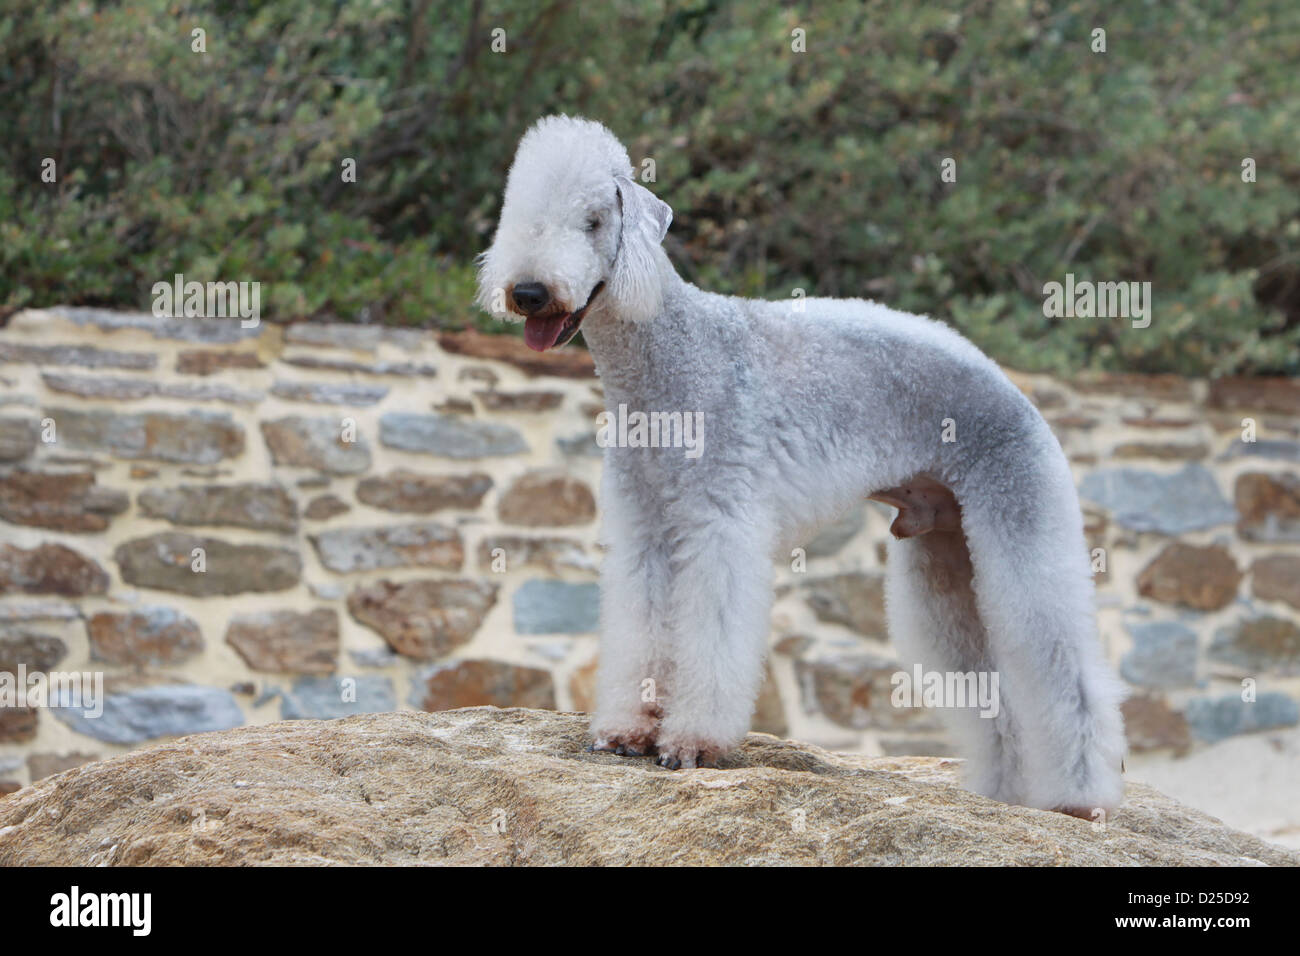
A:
{"points": [[623, 348]]}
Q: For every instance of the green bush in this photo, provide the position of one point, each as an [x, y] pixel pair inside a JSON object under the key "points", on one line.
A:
{"points": [[816, 170]]}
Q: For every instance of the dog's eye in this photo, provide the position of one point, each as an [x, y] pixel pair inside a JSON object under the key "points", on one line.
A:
{"points": [[593, 223]]}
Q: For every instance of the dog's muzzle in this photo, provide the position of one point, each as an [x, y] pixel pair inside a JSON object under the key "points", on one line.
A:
{"points": [[548, 331]]}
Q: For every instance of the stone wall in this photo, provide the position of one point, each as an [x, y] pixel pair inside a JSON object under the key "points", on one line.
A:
{"points": [[391, 519]]}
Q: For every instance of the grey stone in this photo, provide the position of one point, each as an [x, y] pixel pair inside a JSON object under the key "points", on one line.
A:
{"points": [[544, 606], [35, 651], [1272, 449], [365, 368], [1163, 655], [1214, 719], [86, 356], [208, 330], [163, 561], [413, 545], [130, 389], [315, 443], [582, 444], [263, 507], [146, 713], [327, 698], [1186, 500], [196, 437], [330, 393], [1257, 645], [448, 436]]}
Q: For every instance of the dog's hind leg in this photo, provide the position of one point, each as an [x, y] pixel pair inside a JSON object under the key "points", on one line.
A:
{"points": [[934, 621], [1034, 592]]}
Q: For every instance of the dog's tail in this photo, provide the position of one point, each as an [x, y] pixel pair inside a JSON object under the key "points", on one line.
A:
{"points": [[1011, 595]]}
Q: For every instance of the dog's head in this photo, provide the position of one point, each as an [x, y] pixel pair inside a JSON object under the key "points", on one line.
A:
{"points": [[576, 232]]}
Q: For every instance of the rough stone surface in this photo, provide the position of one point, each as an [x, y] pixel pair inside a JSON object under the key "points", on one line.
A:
{"points": [[315, 443], [1277, 394], [263, 507], [411, 788], [46, 765], [1204, 579], [1269, 507], [1186, 500], [423, 619], [165, 561], [180, 328], [409, 492], [196, 437], [547, 499], [287, 641], [404, 369], [152, 637], [448, 436], [60, 501], [475, 683], [49, 569], [419, 544]]}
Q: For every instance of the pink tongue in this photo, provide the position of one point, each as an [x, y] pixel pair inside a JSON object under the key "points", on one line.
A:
{"points": [[540, 334]]}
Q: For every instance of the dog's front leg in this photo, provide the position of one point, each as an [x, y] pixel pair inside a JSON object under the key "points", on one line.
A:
{"points": [[633, 635], [721, 597]]}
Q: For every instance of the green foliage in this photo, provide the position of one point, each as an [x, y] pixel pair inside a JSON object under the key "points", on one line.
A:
{"points": [[816, 170]]}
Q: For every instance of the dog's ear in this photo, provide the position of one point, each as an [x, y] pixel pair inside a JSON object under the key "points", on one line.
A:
{"points": [[634, 284]]}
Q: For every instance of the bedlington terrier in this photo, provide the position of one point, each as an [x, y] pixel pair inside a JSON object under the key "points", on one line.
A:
{"points": [[807, 407]]}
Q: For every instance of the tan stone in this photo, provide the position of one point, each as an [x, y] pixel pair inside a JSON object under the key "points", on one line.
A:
{"points": [[1276, 394], [423, 619], [60, 501], [547, 499], [1276, 577], [49, 569], [496, 683], [151, 638], [565, 363], [414, 788], [1269, 506], [286, 641], [410, 492], [1150, 724], [1202, 578]]}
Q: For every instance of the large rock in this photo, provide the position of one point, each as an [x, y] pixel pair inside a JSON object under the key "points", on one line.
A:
{"points": [[517, 787]]}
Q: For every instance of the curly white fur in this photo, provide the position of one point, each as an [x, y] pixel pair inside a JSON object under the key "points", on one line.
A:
{"points": [[807, 410]]}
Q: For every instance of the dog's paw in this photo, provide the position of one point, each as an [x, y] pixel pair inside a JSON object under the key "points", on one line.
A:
{"points": [[635, 739], [689, 754]]}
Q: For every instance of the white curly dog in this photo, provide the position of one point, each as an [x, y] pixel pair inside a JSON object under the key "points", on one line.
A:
{"points": [[807, 407]]}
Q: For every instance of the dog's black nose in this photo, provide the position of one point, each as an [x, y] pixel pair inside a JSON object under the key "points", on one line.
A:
{"points": [[531, 296]]}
